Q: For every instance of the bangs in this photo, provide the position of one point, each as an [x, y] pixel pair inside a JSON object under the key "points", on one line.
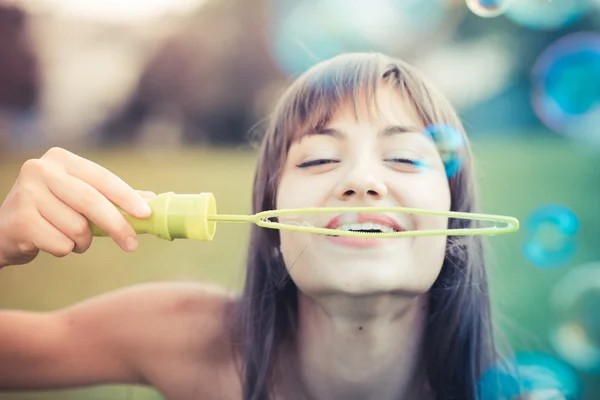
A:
{"points": [[313, 100]]}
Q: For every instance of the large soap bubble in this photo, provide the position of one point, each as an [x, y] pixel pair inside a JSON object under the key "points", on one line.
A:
{"points": [[566, 86], [530, 375], [576, 304]]}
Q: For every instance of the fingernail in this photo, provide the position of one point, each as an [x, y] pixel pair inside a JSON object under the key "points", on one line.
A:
{"points": [[144, 208], [131, 243]]}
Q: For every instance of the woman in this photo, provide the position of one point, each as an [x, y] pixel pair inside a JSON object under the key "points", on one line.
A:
{"points": [[320, 317]]}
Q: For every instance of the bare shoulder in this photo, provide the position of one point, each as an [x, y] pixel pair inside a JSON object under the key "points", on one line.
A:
{"points": [[197, 312], [170, 300], [173, 299], [166, 326]]}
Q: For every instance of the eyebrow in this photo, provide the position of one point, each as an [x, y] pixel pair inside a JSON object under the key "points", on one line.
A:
{"points": [[389, 130]]}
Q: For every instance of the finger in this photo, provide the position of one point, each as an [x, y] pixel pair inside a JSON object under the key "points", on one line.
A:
{"points": [[50, 240], [89, 202], [107, 183], [146, 194], [72, 224]]}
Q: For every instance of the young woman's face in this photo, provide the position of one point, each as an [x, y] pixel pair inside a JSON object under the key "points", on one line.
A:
{"points": [[381, 159]]}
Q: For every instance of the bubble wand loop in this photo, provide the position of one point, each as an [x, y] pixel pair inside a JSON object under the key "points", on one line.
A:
{"points": [[194, 216]]}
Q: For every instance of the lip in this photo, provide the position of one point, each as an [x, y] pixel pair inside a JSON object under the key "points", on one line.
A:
{"points": [[364, 242], [380, 219]]}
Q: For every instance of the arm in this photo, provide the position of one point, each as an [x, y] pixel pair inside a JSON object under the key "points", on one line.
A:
{"points": [[114, 338], [121, 337]]}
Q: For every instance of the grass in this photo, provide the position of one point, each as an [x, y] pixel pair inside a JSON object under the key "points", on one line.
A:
{"points": [[515, 177]]}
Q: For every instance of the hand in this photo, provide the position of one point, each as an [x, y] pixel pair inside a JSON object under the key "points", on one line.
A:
{"points": [[51, 201]]}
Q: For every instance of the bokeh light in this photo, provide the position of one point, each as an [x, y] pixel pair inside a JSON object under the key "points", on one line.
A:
{"points": [[488, 8], [566, 86], [551, 231], [116, 10], [172, 94], [547, 14], [530, 374], [306, 32], [576, 301], [451, 146], [545, 394]]}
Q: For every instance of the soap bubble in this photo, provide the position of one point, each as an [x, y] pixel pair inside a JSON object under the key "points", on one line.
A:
{"points": [[566, 86], [530, 375], [547, 14], [551, 230], [576, 301], [451, 145], [488, 8]]}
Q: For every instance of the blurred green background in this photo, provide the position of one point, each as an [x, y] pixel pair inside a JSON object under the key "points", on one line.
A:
{"points": [[166, 94], [515, 177]]}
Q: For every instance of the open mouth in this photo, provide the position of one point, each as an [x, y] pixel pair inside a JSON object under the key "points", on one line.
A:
{"points": [[367, 227], [368, 223]]}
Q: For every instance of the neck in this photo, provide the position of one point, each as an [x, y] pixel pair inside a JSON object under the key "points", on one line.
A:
{"points": [[360, 347]]}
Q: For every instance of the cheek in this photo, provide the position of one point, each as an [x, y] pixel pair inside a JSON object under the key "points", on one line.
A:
{"points": [[288, 242], [430, 194], [294, 247], [282, 191], [434, 194], [430, 251], [302, 192], [438, 190], [290, 193]]}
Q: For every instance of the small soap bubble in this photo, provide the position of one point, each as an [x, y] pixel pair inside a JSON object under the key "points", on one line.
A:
{"points": [[488, 8], [566, 86], [576, 305], [451, 146], [551, 233]]}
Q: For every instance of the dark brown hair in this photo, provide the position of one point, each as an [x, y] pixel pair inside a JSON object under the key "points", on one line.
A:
{"points": [[459, 342]]}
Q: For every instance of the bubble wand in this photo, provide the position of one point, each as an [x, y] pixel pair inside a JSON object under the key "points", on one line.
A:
{"points": [[194, 216]]}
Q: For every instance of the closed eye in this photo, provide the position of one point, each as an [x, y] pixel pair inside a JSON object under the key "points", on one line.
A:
{"points": [[409, 161], [314, 163]]}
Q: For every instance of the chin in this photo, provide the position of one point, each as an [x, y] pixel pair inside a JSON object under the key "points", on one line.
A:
{"points": [[361, 277], [321, 266]]}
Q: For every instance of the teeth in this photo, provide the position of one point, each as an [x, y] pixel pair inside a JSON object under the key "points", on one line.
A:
{"points": [[366, 226], [348, 218]]}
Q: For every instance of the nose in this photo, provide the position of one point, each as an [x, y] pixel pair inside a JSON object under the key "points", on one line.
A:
{"points": [[362, 185]]}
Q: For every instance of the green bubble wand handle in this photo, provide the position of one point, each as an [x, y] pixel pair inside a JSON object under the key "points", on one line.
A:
{"points": [[194, 216]]}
